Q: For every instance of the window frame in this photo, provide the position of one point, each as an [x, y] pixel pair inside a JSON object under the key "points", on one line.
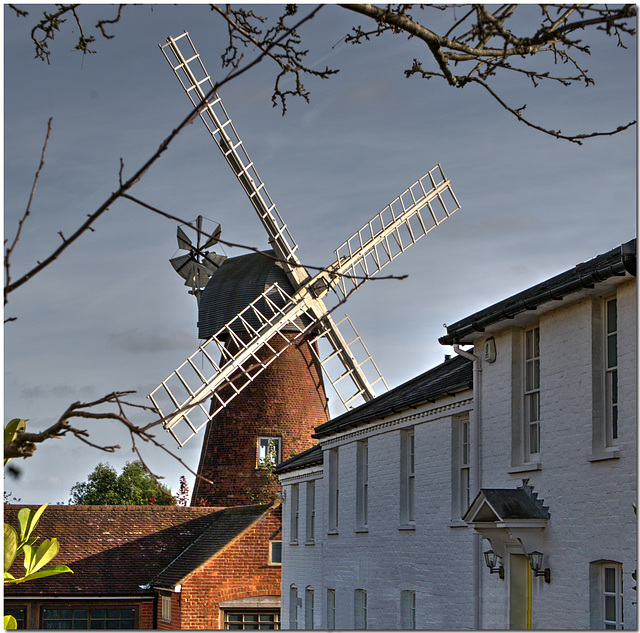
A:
{"points": [[273, 562], [531, 394], [407, 477], [334, 491], [362, 485], [250, 612], [294, 516], [331, 609], [610, 392], [310, 523], [360, 609], [90, 615], [407, 609], [309, 607], [262, 462], [293, 607], [165, 608]]}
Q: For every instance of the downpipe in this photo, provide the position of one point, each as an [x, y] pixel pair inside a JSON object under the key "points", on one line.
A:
{"points": [[476, 475]]}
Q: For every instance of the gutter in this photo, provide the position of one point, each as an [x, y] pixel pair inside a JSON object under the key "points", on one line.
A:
{"points": [[476, 477]]}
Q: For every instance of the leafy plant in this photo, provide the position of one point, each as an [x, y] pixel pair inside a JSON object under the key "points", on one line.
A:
{"points": [[36, 556]]}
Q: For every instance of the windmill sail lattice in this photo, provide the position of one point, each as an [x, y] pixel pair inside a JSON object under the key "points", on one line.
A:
{"points": [[243, 344]]}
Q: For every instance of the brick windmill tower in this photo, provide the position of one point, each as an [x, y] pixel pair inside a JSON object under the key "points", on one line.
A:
{"points": [[256, 382]]}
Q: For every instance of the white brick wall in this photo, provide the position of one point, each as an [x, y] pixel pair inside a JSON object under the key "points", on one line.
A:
{"points": [[590, 502]]}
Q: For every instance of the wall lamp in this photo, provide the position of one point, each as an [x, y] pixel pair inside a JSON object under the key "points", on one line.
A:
{"points": [[491, 559], [535, 560]]}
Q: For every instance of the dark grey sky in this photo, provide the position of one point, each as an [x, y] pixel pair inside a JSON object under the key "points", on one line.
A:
{"points": [[112, 314]]}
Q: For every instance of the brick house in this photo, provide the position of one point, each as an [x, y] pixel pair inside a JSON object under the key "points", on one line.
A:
{"points": [[523, 444], [155, 567]]}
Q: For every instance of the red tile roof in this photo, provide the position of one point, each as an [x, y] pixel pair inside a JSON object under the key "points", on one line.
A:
{"points": [[117, 550]]}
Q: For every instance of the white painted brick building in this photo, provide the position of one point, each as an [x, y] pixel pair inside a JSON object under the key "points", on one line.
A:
{"points": [[531, 447]]}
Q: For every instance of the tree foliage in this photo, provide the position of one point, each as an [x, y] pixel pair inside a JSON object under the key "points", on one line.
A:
{"points": [[133, 486]]}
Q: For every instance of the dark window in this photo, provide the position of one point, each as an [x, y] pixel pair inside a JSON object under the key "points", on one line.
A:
{"points": [[20, 615], [88, 618]]}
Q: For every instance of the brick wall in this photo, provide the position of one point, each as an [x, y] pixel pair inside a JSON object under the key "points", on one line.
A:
{"points": [[286, 400], [241, 570]]}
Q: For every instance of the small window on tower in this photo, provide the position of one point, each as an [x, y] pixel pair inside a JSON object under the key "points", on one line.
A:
{"points": [[269, 451]]}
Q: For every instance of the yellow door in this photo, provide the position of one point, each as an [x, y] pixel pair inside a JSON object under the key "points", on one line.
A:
{"points": [[519, 592]]}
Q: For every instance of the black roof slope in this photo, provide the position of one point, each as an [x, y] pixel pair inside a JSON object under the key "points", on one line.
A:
{"points": [[446, 379], [311, 457], [616, 262]]}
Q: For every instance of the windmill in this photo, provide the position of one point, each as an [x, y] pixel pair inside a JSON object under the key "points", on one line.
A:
{"points": [[197, 266], [290, 311]]}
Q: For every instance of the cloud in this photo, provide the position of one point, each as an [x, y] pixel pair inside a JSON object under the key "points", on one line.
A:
{"points": [[137, 342]]}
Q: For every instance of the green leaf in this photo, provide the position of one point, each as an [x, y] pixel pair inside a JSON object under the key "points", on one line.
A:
{"points": [[49, 571], [28, 551], [10, 622], [12, 428], [28, 520], [10, 546], [46, 551], [8, 577]]}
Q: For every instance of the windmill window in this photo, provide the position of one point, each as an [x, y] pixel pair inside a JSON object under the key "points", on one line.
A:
{"points": [[362, 485], [611, 373], [269, 451], [407, 478], [295, 512]]}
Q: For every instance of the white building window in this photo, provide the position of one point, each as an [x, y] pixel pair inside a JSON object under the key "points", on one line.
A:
{"points": [[165, 608], [606, 603], [334, 491], [269, 451], [293, 607], [407, 477], [359, 609], [308, 608], [532, 394], [611, 373], [331, 609], [295, 512], [311, 512], [460, 466], [362, 484], [407, 610]]}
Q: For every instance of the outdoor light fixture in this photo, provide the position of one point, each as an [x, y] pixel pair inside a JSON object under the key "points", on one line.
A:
{"points": [[535, 560], [491, 558]]}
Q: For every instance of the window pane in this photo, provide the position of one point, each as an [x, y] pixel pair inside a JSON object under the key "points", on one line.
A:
{"points": [[612, 316], [610, 608], [612, 351], [609, 579]]}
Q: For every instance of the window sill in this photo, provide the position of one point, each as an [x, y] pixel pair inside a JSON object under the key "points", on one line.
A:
{"points": [[309, 543], [293, 543], [407, 526], [458, 524], [333, 532], [362, 530], [606, 454], [523, 468]]}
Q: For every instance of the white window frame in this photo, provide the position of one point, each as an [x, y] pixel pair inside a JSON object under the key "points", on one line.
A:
{"points": [[294, 515], [531, 393], [611, 372], [360, 609], [165, 608], [612, 596], [362, 485], [309, 607], [334, 490], [271, 556], [310, 524], [465, 465], [407, 477], [331, 609], [263, 458], [293, 607], [407, 610]]}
